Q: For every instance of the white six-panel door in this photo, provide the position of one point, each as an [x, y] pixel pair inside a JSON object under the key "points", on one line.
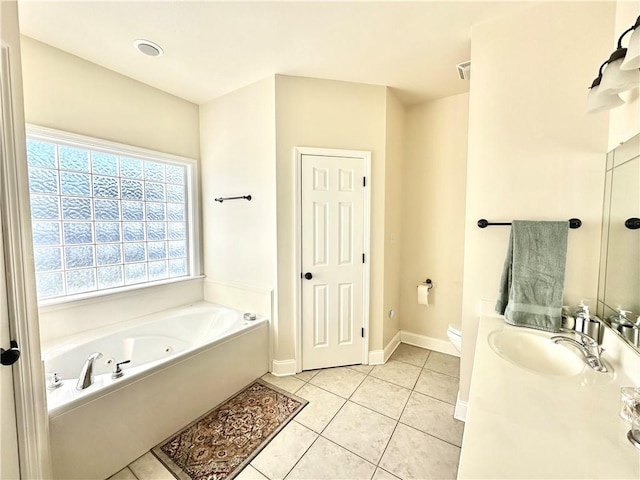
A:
{"points": [[332, 211]]}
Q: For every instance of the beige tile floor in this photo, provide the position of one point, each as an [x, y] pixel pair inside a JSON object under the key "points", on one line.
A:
{"points": [[384, 422]]}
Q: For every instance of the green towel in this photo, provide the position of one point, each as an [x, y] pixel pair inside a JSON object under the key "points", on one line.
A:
{"points": [[532, 282]]}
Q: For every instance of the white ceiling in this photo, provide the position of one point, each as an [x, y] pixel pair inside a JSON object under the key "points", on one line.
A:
{"points": [[212, 48]]}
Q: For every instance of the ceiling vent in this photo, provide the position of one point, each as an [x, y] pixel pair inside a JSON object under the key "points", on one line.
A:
{"points": [[464, 70]]}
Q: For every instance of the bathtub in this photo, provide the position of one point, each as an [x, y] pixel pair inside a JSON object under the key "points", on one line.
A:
{"points": [[183, 362]]}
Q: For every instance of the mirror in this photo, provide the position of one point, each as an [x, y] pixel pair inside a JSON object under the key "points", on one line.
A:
{"points": [[619, 283]]}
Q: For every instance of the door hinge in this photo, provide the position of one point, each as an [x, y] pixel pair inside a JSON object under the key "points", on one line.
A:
{"points": [[364, 181], [362, 331], [363, 258]]}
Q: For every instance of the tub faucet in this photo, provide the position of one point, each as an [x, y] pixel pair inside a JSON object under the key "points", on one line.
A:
{"points": [[86, 374], [589, 348]]}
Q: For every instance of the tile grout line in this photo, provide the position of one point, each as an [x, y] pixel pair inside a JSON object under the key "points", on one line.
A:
{"points": [[420, 430], [255, 468], [301, 456], [420, 393], [407, 402], [387, 446], [303, 453], [437, 371], [403, 386], [397, 421], [333, 393], [430, 435], [409, 363], [353, 453], [132, 472], [336, 414], [354, 402], [435, 398], [379, 413], [320, 388], [394, 431], [441, 373], [318, 434], [346, 400]]}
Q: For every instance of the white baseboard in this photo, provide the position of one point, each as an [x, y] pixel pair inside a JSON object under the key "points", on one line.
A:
{"points": [[378, 357], [282, 368], [391, 346], [460, 412], [435, 344]]}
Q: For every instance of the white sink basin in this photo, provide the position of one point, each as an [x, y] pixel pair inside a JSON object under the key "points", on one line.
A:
{"points": [[534, 351]]}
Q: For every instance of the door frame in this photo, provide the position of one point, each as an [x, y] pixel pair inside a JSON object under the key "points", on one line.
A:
{"points": [[365, 156], [28, 376]]}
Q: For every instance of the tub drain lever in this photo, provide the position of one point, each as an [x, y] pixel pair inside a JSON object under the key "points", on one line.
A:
{"points": [[118, 372]]}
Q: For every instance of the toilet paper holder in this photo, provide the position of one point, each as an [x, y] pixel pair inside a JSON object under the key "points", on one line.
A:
{"points": [[428, 283]]}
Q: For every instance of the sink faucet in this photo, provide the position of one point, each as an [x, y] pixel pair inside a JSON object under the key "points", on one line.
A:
{"points": [[589, 348], [86, 374]]}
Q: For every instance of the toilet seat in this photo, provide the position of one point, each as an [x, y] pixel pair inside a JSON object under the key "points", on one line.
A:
{"points": [[454, 330], [454, 334]]}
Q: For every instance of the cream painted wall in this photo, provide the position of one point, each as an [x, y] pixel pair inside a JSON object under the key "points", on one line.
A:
{"points": [[434, 184], [67, 93], [394, 165], [624, 120], [533, 152], [330, 114], [237, 134]]}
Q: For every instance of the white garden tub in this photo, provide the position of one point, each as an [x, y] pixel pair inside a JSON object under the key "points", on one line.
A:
{"points": [[184, 361]]}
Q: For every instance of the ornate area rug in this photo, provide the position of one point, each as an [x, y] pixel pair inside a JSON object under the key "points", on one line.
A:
{"points": [[219, 444]]}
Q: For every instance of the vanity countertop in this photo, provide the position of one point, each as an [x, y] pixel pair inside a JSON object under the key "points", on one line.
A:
{"points": [[522, 424]]}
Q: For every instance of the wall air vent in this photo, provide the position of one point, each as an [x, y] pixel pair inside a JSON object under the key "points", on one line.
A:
{"points": [[464, 70]]}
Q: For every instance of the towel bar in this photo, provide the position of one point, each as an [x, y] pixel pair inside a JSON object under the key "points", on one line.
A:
{"points": [[482, 223], [222, 199]]}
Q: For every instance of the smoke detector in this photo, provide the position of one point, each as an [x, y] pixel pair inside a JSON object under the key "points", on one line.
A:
{"points": [[148, 47], [464, 70]]}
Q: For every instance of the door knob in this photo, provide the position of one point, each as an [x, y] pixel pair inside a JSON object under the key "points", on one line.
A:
{"points": [[632, 223], [308, 276], [11, 356]]}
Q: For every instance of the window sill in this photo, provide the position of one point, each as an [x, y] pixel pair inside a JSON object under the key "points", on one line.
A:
{"points": [[71, 301]]}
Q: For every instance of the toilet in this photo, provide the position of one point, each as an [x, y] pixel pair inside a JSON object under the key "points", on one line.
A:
{"points": [[454, 332]]}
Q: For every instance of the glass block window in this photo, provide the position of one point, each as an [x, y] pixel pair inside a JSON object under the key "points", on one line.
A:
{"points": [[103, 219]]}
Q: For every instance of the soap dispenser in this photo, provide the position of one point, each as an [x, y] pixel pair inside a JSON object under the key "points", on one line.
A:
{"points": [[582, 318]]}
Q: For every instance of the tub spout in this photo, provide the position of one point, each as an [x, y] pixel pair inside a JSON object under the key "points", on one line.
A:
{"points": [[86, 374]]}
